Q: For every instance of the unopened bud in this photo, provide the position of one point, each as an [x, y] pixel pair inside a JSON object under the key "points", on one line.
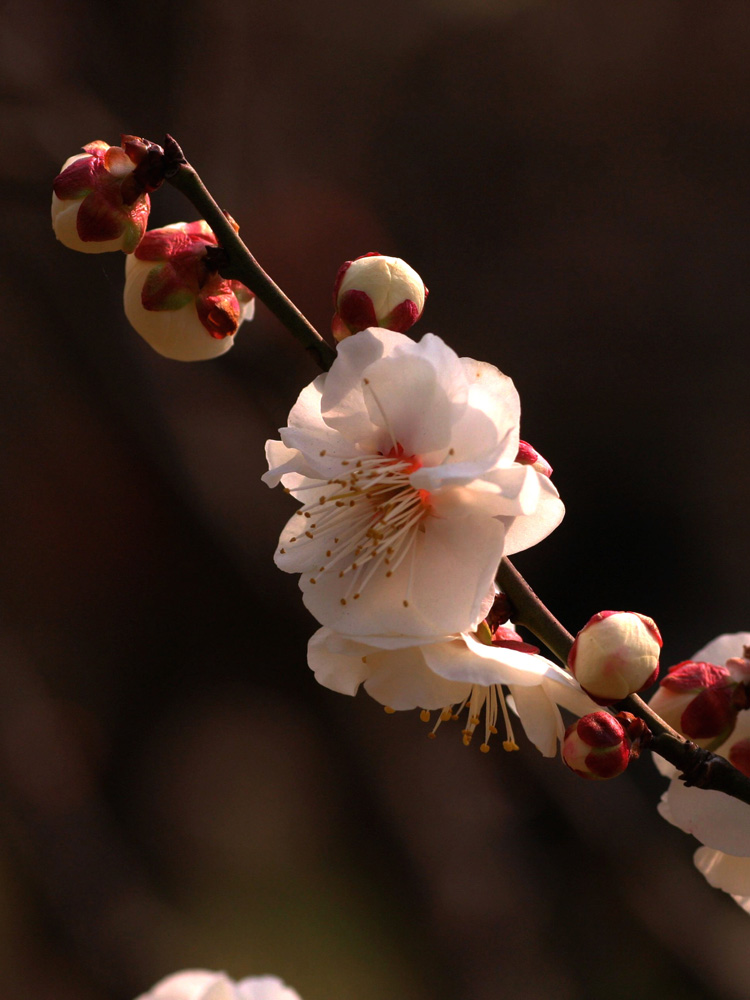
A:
{"points": [[376, 291], [177, 300], [615, 654], [530, 456], [698, 700], [597, 746], [100, 200]]}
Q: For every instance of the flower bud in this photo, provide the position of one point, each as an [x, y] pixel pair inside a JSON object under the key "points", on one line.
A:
{"points": [[615, 654], [100, 200], [530, 456], [376, 291], [177, 300], [597, 746], [698, 700]]}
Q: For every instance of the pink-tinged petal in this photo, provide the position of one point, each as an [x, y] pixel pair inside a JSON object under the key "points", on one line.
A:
{"points": [[408, 405], [444, 584], [523, 532], [495, 396], [717, 820], [725, 871], [97, 148], [342, 404]]}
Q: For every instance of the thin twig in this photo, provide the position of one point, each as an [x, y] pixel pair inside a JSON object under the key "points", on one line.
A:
{"points": [[242, 265]]}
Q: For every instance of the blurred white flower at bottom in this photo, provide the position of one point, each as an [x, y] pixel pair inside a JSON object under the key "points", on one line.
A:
{"points": [[199, 984]]}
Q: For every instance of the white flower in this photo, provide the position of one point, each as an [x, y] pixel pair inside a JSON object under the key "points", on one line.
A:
{"points": [[199, 984], [719, 821], [453, 673], [404, 458]]}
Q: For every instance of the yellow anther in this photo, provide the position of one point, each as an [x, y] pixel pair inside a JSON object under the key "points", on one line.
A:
{"points": [[509, 745], [388, 710], [282, 551], [405, 603], [485, 748], [424, 715], [342, 601]]}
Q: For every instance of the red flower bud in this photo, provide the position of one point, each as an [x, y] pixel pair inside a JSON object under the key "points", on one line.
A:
{"points": [[597, 746], [698, 700]]}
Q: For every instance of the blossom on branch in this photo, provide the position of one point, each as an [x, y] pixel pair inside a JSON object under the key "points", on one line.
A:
{"points": [[177, 300], [199, 984], [457, 675], [100, 201], [721, 822], [404, 458], [374, 290]]}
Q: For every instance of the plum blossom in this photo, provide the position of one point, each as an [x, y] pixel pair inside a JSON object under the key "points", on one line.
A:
{"points": [[721, 822], [403, 456], [455, 674], [199, 984], [178, 303]]}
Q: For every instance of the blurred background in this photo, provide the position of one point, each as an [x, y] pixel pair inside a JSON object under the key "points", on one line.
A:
{"points": [[571, 180]]}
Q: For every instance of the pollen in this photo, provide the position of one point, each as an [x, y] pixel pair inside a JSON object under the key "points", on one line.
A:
{"points": [[480, 700]]}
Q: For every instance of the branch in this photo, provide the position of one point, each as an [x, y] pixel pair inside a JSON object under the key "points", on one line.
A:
{"points": [[242, 265], [698, 767]]}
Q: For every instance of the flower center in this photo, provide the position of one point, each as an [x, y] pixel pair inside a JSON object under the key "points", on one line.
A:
{"points": [[490, 699], [370, 516]]}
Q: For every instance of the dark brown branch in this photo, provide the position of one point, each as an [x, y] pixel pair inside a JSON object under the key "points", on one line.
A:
{"points": [[242, 265]]}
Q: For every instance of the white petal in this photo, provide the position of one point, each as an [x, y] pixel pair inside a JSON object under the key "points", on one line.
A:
{"points": [[282, 461], [716, 819], [336, 665], [723, 648], [523, 532], [444, 583], [495, 395], [725, 871], [406, 401], [465, 659], [193, 984], [540, 717], [342, 403], [401, 679], [264, 988]]}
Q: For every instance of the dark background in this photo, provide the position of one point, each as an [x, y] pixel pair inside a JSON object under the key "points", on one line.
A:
{"points": [[571, 180]]}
